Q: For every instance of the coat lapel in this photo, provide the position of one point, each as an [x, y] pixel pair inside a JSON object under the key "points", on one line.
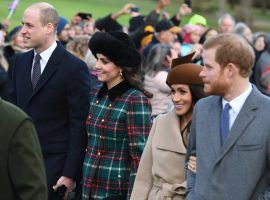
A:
{"points": [[50, 68], [242, 121], [28, 67], [215, 126], [170, 136]]}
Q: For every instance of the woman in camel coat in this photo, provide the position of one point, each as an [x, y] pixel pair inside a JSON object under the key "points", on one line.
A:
{"points": [[162, 174]]}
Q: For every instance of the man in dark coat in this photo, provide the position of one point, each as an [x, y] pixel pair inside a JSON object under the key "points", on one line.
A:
{"points": [[52, 87], [22, 169]]}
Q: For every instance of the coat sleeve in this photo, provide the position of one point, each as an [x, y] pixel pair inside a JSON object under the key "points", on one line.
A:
{"points": [[144, 178], [266, 194], [26, 167], [191, 150], [78, 90], [138, 127]]}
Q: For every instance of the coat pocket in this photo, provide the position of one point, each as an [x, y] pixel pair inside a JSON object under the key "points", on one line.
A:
{"points": [[249, 147]]}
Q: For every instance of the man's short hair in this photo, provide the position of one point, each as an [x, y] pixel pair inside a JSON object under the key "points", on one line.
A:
{"points": [[224, 16], [231, 48], [48, 13]]}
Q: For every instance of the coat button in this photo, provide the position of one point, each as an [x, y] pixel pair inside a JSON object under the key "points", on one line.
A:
{"points": [[98, 153], [102, 120], [119, 176], [86, 150], [96, 101]]}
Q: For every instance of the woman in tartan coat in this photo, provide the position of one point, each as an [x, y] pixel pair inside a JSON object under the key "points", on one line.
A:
{"points": [[119, 119]]}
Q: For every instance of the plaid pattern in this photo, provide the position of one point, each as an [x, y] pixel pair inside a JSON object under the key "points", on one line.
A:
{"points": [[117, 132]]}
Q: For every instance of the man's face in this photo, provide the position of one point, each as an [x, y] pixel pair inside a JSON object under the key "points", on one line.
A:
{"points": [[33, 32], [226, 26], [167, 37], [213, 75]]}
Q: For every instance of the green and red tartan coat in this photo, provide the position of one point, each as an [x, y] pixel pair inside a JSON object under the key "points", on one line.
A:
{"points": [[118, 125]]}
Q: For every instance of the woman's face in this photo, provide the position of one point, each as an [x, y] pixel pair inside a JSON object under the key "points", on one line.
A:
{"points": [[107, 71], [211, 33], [182, 99], [195, 36], [260, 43]]}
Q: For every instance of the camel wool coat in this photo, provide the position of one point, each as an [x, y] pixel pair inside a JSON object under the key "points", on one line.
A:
{"points": [[161, 174]]}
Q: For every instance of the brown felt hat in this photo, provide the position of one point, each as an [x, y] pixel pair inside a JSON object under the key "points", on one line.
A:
{"points": [[184, 72]]}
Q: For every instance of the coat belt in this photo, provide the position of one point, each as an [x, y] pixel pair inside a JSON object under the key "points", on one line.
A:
{"points": [[168, 191]]}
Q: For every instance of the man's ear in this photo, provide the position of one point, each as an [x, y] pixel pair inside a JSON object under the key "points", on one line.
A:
{"points": [[50, 28], [232, 69]]}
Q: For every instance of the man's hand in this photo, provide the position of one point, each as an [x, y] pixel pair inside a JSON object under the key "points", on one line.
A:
{"points": [[184, 10], [68, 182], [161, 4], [127, 7]]}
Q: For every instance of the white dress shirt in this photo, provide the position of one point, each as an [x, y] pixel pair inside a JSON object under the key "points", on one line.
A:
{"points": [[45, 56], [237, 104]]}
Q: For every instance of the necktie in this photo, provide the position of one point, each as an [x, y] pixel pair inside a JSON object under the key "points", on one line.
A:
{"points": [[225, 122], [36, 70]]}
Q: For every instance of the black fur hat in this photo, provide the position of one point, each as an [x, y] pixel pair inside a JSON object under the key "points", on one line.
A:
{"points": [[118, 47]]}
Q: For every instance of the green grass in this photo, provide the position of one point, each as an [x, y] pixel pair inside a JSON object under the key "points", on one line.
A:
{"points": [[68, 8], [100, 8]]}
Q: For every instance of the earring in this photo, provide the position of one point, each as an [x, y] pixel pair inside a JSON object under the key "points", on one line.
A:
{"points": [[121, 74]]}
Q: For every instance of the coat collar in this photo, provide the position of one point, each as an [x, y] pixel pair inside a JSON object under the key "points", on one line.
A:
{"points": [[169, 135], [114, 92]]}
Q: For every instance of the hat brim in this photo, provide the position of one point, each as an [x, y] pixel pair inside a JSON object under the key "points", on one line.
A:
{"points": [[175, 29]]}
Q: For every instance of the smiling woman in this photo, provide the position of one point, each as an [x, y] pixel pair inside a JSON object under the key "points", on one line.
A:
{"points": [[119, 119], [161, 172]]}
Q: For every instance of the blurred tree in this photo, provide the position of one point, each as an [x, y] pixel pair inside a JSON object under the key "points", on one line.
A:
{"points": [[222, 6], [233, 3], [263, 6], [244, 13]]}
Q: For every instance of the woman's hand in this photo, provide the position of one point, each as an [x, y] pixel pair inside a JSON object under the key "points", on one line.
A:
{"points": [[192, 164]]}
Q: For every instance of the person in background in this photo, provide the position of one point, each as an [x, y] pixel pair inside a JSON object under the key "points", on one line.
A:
{"points": [[52, 86], [230, 129], [166, 33], [119, 119], [4, 80], [13, 47], [79, 46], [265, 81], [191, 35], [162, 174], [156, 68], [262, 63], [259, 41], [22, 169], [208, 33], [226, 23], [62, 31], [259, 44], [243, 30], [3, 35], [198, 20]]}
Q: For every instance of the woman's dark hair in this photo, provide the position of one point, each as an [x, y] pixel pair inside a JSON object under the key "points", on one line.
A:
{"points": [[196, 92], [203, 36], [135, 79]]}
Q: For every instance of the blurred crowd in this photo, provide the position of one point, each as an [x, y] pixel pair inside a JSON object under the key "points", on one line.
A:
{"points": [[158, 29]]}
